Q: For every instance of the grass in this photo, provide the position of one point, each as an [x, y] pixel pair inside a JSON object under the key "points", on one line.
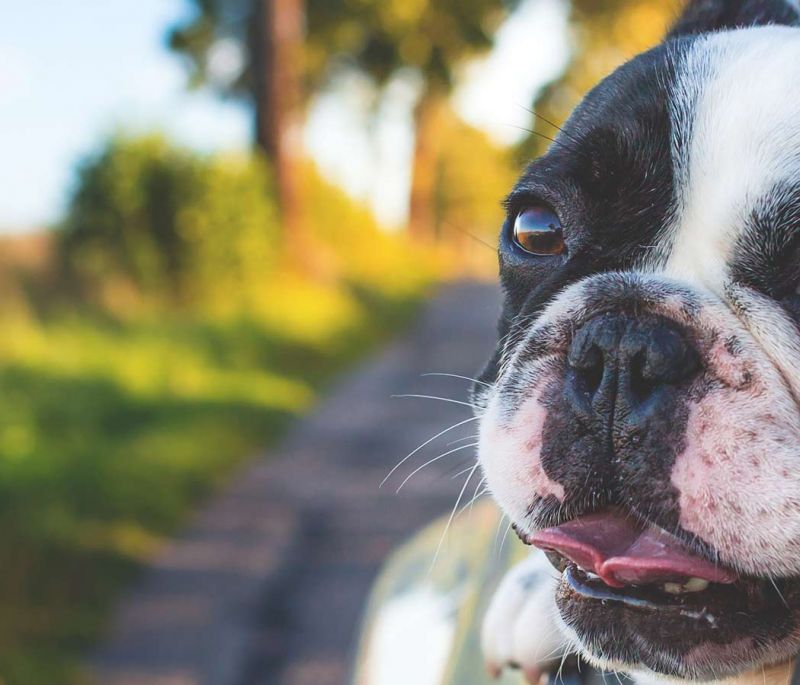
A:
{"points": [[112, 431]]}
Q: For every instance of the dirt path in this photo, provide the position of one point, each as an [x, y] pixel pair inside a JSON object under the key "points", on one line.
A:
{"points": [[268, 584]]}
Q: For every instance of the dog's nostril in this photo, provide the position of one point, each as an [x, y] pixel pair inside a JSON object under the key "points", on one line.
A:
{"points": [[589, 368], [642, 380], [668, 358]]}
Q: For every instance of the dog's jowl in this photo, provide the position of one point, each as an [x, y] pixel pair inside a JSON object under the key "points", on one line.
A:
{"points": [[640, 418]]}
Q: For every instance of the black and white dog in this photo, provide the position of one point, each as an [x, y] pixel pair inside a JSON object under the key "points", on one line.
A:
{"points": [[640, 418]]}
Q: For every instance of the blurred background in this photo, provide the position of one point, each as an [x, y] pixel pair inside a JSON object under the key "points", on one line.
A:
{"points": [[211, 209]]}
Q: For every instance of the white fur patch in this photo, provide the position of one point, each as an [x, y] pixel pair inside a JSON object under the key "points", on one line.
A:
{"points": [[736, 134], [736, 138], [510, 455]]}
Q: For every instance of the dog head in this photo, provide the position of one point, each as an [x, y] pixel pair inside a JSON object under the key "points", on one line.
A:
{"points": [[640, 418]]}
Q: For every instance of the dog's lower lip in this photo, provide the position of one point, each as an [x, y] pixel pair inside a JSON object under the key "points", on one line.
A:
{"points": [[747, 596], [636, 598]]}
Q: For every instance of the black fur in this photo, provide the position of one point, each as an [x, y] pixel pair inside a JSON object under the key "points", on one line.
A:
{"points": [[703, 16], [767, 253], [610, 178]]}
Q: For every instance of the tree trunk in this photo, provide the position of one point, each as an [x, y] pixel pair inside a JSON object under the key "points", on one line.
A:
{"points": [[422, 210], [277, 54]]}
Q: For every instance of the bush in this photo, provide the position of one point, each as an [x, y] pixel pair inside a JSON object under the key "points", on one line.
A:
{"points": [[151, 220]]}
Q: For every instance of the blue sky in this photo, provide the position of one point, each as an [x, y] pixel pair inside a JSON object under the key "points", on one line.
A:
{"points": [[72, 72]]}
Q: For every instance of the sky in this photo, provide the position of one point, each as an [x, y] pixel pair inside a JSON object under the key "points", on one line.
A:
{"points": [[72, 72]]}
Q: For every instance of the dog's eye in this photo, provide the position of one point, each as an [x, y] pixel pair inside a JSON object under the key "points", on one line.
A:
{"points": [[537, 230]]}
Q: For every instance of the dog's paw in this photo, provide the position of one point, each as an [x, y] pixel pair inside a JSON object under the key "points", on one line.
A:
{"points": [[520, 628]]}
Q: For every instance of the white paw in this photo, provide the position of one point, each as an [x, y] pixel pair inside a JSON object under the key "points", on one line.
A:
{"points": [[520, 629]]}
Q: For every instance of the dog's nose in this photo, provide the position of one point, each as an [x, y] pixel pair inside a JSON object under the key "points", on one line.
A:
{"points": [[622, 365]]}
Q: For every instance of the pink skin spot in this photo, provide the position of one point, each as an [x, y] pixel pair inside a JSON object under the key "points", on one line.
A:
{"points": [[733, 476], [529, 423], [706, 473], [730, 369], [545, 486], [510, 454]]}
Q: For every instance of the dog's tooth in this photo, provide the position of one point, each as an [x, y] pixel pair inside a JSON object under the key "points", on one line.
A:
{"points": [[691, 585], [696, 585]]}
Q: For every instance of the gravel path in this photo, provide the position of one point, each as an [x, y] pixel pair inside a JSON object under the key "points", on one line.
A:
{"points": [[268, 584]]}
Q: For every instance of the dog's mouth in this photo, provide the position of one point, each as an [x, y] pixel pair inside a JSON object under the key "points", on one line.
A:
{"points": [[610, 557], [635, 595]]}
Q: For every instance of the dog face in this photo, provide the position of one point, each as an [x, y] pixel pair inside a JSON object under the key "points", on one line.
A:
{"points": [[640, 418]]}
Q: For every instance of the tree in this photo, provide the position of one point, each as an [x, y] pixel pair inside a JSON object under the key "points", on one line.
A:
{"points": [[432, 38], [254, 49]]}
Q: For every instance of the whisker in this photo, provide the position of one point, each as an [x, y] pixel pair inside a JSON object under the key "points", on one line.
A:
{"points": [[479, 492], [431, 461], [531, 131], [466, 437], [461, 472], [452, 515], [554, 125], [497, 532], [505, 537], [433, 397], [425, 444], [567, 652], [448, 225], [559, 672], [455, 375], [541, 117], [553, 652], [783, 599]]}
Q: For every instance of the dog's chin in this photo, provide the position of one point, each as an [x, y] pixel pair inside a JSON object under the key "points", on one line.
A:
{"points": [[708, 634]]}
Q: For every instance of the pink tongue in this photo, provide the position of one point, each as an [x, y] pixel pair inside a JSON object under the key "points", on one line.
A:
{"points": [[623, 553]]}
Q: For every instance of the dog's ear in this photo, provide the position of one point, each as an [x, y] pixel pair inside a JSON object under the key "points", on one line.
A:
{"points": [[703, 16]]}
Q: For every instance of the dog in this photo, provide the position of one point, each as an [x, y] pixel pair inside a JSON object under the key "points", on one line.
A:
{"points": [[640, 415]]}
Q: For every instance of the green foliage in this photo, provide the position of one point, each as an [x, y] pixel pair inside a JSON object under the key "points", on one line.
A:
{"points": [[382, 36], [360, 252], [377, 36], [474, 176], [194, 38], [188, 344], [110, 432], [166, 222]]}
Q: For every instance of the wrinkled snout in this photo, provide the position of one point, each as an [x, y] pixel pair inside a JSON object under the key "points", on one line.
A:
{"points": [[638, 392]]}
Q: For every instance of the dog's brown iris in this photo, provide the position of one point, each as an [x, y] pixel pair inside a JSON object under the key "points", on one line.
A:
{"points": [[537, 230]]}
